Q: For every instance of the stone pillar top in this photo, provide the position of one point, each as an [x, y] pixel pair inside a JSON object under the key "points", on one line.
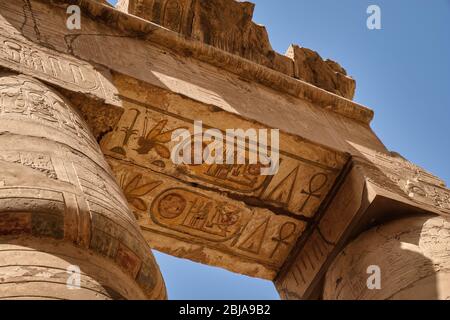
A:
{"points": [[228, 25]]}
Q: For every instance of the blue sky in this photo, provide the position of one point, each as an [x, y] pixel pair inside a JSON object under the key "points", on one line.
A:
{"points": [[402, 73]]}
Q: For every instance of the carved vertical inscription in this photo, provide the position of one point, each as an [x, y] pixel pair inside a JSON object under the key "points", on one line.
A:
{"points": [[303, 270]]}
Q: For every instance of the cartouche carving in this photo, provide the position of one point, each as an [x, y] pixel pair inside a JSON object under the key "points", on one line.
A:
{"points": [[56, 185]]}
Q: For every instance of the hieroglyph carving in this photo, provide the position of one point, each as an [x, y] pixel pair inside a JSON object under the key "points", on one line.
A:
{"points": [[165, 206], [143, 136], [397, 174], [55, 183]]}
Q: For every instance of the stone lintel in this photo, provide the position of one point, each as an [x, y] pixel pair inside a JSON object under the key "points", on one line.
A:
{"points": [[124, 53], [266, 214], [205, 226], [132, 26], [336, 178], [273, 211]]}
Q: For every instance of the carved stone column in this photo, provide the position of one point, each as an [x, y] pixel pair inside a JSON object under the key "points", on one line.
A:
{"points": [[413, 259], [60, 206]]}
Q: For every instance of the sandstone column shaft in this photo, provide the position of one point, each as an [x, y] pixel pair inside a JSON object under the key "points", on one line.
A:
{"points": [[411, 254], [60, 206]]}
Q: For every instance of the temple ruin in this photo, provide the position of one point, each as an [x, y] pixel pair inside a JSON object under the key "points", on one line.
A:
{"points": [[86, 124]]}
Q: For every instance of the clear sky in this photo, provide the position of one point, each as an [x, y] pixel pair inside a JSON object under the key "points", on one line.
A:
{"points": [[402, 73]]}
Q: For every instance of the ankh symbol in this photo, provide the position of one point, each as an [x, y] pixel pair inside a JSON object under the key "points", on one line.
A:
{"points": [[286, 231], [313, 191]]}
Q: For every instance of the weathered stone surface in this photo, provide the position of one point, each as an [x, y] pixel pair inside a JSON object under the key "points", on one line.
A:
{"points": [[380, 186], [143, 138], [183, 72], [56, 184], [412, 256], [205, 226], [405, 181], [328, 75], [228, 25], [225, 24], [300, 275], [89, 86], [135, 82], [21, 55], [307, 171], [34, 268]]}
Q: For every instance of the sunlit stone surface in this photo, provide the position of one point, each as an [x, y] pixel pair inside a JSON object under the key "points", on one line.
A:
{"points": [[87, 177]]}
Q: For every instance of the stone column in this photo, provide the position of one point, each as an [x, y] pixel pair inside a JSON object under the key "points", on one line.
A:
{"points": [[60, 207], [413, 259]]}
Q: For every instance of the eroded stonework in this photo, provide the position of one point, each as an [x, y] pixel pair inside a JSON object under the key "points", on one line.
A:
{"points": [[228, 25], [127, 81], [288, 199], [412, 254], [55, 184]]}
